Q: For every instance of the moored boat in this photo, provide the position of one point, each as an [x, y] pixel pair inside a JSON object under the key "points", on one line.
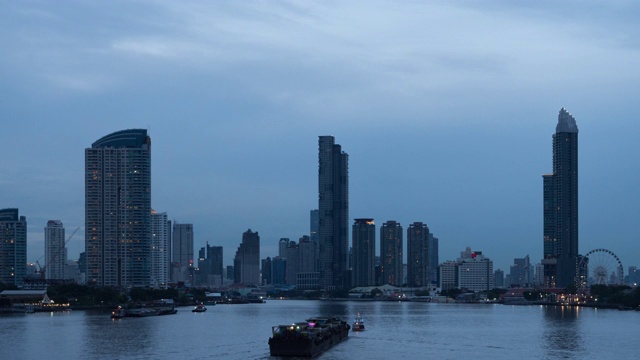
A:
{"points": [[308, 338]]}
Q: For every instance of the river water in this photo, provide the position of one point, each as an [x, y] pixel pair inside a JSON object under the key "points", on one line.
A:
{"points": [[394, 330]]}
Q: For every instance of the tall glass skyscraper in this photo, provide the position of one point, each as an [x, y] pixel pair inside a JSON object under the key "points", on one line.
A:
{"points": [[333, 214], [391, 254], [560, 214], [246, 263], [118, 209], [55, 252], [364, 252], [13, 247], [418, 255], [160, 249]]}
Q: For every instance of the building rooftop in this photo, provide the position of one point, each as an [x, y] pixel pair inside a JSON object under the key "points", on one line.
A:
{"points": [[566, 122]]}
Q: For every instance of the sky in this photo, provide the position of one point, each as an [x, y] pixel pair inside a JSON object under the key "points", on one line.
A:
{"points": [[446, 110]]}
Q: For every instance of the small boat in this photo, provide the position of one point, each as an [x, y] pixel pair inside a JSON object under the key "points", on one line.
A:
{"points": [[119, 313], [358, 324], [199, 308]]}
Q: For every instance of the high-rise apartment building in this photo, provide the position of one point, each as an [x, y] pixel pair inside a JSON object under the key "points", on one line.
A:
{"points": [[333, 214], [13, 247], [182, 253], [560, 203], [418, 255], [246, 264], [160, 249], [118, 209], [520, 273], [434, 258], [391, 258], [55, 252], [364, 252]]}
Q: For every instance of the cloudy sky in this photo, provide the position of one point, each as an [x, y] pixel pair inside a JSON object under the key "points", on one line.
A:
{"points": [[445, 108]]}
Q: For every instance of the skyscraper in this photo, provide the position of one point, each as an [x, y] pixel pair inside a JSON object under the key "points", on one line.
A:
{"points": [[246, 264], [160, 249], [364, 252], [118, 209], [391, 254], [560, 214], [182, 253], [418, 255], [333, 213], [55, 253], [13, 247]]}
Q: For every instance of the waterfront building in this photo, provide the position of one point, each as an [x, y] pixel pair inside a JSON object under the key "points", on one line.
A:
{"points": [[314, 235], [182, 253], [560, 207], [209, 271], [55, 252], [448, 275], [278, 270], [434, 258], [364, 252], [267, 278], [391, 254], [160, 249], [538, 279], [333, 211], [418, 255], [498, 279], [13, 247], [475, 271], [246, 263], [118, 209], [292, 255]]}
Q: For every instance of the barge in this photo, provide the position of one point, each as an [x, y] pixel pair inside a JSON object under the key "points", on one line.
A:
{"points": [[308, 338]]}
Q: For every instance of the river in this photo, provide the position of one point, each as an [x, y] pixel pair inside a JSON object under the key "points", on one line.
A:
{"points": [[397, 330]]}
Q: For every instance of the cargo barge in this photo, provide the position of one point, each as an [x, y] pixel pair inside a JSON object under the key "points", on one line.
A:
{"points": [[308, 338]]}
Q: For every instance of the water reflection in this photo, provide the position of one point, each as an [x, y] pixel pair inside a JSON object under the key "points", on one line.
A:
{"points": [[107, 338], [561, 332]]}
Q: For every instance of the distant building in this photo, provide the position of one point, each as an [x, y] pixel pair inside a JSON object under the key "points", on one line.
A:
{"points": [[247, 260], [314, 233], [209, 272], [364, 252], [520, 273], [418, 255], [391, 254], [160, 249], [333, 211], [560, 207], [633, 278], [13, 247], [278, 270], [498, 279], [434, 258], [182, 253], [539, 275], [307, 276], [292, 255], [267, 278], [472, 271], [282, 247], [55, 252], [448, 275], [118, 209]]}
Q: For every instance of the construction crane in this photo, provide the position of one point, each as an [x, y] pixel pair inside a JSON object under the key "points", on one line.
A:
{"points": [[42, 269]]}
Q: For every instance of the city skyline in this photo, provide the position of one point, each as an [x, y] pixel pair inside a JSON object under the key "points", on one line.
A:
{"points": [[446, 121]]}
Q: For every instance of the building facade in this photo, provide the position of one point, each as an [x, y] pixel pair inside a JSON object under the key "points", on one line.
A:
{"points": [[246, 263], [364, 252], [55, 252], [391, 253], [418, 255], [13, 247], [160, 249], [118, 210], [333, 214], [560, 207], [182, 253]]}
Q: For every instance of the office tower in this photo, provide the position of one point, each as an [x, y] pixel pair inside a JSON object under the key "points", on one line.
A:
{"points": [[246, 263], [55, 253], [292, 255], [282, 247], [306, 255], [418, 255], [267, 278], [13, 247], [434, 258], [364, 252], [498, 279], [209, 271], [391, 253], [278, 270], [475, 271], [118, 209], [520, 272], [215, 256], [314, 234], [160, 245], [448, 272], [182, 253], [333, 213], [560, 214]]}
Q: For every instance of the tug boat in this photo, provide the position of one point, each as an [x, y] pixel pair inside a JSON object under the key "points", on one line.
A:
{"points": [[358, 324], [199, 308], [308, 338]]}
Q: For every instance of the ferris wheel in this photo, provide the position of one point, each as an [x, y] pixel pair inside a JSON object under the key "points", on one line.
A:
{"points": [[600, 267]]}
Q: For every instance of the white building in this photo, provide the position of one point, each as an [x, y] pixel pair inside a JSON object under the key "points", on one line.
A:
{"points": [[472, 271], [160, 240]]}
